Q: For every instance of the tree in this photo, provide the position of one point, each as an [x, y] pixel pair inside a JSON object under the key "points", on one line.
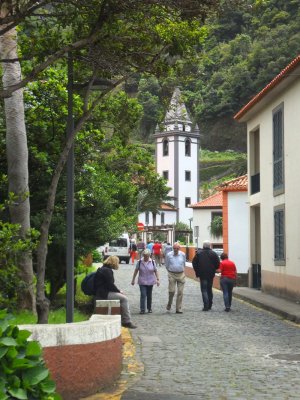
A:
{"points": [[116, 40], [17, 155]]}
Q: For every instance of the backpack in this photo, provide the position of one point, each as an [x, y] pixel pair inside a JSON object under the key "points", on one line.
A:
{"points": [[87, 284], [133, 247], [139, 264]]}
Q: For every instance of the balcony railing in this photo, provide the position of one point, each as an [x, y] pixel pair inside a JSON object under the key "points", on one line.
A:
{"points": [[255, 183]]}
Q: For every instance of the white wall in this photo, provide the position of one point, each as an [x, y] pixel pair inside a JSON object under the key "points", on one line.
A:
{"points": [[238, 230], [170, 218], [202, 218], [187, 188], [263, 120], [166, 163]]}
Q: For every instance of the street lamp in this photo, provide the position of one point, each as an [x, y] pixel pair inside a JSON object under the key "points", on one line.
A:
{"points": [[100, 84], [70, 198]]}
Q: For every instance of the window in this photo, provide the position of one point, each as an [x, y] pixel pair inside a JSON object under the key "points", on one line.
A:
{"points": [[166, 175], [147, 217], [187, 201], [187, 175], [165, 147], [278, 162], [187, 147], [162, 218], [279, 235], [216, 214]]}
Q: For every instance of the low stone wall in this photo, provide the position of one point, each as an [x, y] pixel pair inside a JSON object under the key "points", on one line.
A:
{"points": [[190, 273], [107, 307], [82, 357], [189, 251]]}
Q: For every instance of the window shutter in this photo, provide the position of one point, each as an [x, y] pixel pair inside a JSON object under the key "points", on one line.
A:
{"points": [[277, 150], [279, 235]]}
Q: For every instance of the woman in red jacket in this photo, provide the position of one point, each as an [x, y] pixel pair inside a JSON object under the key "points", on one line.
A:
{"points": [[228, 279]]}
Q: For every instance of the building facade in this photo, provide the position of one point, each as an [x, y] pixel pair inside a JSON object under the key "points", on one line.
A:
{"points": [[236, 222], [177, 157], [203, 214], [177, 160], [273, 121]]}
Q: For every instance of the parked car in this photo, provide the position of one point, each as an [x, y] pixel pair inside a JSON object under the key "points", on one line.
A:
{"points": [[118, 247]]}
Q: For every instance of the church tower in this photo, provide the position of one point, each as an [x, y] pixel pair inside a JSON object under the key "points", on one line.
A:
{"points": [[177, 157]]}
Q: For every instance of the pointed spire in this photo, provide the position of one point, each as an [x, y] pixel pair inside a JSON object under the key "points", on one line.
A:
{"points": [[177, 111]]}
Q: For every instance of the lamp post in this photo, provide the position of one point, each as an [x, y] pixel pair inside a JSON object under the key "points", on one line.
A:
{"points": [[70, 199], [100, 84]]}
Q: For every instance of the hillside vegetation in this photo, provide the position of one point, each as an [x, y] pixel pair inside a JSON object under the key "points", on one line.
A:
{"points": [[217, 167], [245, 48]]}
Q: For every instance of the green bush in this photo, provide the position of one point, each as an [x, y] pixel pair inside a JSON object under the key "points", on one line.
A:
{"points": [[23, 374], [97, 256], [12, 246]]}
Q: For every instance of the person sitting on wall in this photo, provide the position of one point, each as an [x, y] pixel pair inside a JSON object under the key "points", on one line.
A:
{"points": [[106, 289]]}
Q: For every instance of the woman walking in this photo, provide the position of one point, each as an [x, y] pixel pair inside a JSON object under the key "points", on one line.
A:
{"points": [[228, 279], [148, 276]]}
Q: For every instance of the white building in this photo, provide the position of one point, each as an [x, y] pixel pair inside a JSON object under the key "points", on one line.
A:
{"points": [[273, 121], [203, 214], [177, 157], [235, 209], [177, 160]]}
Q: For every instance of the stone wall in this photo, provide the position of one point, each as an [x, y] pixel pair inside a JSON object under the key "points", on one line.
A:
{"points": [[82, 357]]}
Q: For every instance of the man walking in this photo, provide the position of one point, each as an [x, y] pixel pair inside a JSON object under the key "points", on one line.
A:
{"points": [[205, 263], [175, 264]]}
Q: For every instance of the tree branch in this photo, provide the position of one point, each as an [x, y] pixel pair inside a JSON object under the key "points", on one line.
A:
{"points": [[7, 92]]}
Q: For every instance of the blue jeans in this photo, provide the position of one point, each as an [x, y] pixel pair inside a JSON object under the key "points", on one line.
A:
{"points": [[146, 293], [207, 293], [227, 285]]}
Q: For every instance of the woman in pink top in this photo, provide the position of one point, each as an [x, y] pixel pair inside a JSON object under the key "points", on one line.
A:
{"points": [[148, 276], [228, 279]]}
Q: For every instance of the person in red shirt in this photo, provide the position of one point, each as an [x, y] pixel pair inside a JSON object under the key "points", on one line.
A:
{"points": [[156, 251], [228, 279]]}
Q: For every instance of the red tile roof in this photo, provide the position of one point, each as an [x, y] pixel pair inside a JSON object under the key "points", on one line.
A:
{"points": [[239, 184], [167, 207], [280, 77], [214, 201]]}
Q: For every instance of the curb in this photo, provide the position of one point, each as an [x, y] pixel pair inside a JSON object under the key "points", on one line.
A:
{"points": [[131, 371], [282, 313]]}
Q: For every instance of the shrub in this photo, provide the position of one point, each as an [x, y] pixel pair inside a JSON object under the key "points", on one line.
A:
{"points": [[97, 256], [23, 374]]}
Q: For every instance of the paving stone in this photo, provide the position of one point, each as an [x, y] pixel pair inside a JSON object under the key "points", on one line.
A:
{"points": [[246, 354]]}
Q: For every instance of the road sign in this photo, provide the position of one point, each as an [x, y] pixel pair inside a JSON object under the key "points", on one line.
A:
{"points": [[140, 226]]}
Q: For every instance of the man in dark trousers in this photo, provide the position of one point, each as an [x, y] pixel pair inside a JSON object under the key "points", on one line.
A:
{"points": [[205, 263]]}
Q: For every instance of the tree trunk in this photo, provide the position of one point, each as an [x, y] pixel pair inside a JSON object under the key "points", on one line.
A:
{"points": [[42, 303], [17, 158]]}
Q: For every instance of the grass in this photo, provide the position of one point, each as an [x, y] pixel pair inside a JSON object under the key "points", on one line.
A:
{"points": [[58, 315], [55, 317], [207, 156]]}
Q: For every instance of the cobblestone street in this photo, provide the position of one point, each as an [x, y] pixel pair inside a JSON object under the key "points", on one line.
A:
{"points": [[211, 355]]}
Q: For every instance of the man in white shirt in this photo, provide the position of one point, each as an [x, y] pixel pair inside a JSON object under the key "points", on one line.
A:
{"points": [[175, 264]]}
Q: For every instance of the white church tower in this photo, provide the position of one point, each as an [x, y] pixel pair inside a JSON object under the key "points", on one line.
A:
{"points": [[177, 157]]}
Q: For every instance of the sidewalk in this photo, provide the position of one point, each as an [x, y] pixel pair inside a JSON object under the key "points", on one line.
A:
{"points": [[287, 309]]}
